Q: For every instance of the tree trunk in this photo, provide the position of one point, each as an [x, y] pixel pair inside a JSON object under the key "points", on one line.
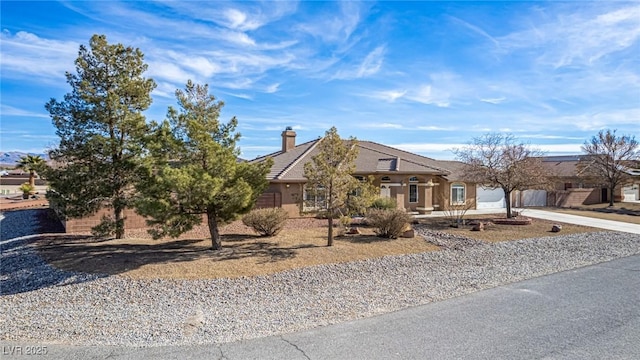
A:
{"points": [[118, 211], [216, 242], [507, 200], [611, 192], [32, 178], [330, 240]]}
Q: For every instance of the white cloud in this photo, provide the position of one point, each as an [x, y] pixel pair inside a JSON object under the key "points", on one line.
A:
{"points": [[372, 62], [437, 128], [273, 88], [28, 54], [579, 37], [494, 101], [382, 126], [390, 95], [427, 95], [369, 66], [169, 71], [7, 110], [336, 28]]}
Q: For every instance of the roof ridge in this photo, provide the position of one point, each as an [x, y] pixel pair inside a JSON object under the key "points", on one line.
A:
{"points": [[403, 158], [298, 159], [394, 148], [275, 153]]}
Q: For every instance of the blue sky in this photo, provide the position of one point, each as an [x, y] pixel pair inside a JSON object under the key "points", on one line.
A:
{"points": [[421, 76]]}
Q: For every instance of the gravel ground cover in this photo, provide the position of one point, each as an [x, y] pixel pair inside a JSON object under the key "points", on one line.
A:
{"points": [[40, 303]]}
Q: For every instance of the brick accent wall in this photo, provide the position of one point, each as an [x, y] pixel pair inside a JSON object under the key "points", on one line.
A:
{"points": [[574, 197], [84, 225]]}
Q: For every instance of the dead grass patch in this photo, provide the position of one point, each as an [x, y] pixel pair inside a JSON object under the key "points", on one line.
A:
{"points": [[302, 243], [244, 254], [499, 232]]}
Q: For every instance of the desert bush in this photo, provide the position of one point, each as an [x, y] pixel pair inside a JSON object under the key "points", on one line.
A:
{"points": [[388, 223], [384, 204], [266, 222]]}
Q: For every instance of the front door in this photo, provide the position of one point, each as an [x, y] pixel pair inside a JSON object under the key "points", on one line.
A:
{"points": [[385, 191]]}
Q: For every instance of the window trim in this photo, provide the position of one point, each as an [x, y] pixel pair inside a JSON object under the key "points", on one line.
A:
{"points": [[413, 186], [316, 204], [464, 193]]}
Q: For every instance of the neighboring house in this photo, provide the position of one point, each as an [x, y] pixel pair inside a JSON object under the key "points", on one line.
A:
{"points": [[572, 186], [418, 184]]}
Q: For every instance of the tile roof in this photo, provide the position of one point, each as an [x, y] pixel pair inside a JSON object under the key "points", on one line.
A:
{"points": [[372, 158]]}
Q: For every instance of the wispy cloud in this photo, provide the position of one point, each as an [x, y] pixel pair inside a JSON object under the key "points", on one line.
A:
{"points": [[476, 29], [369, 66], [579, 38], [7, 110], [25, 53], [428, 95], [437, 128], [494, 101]]}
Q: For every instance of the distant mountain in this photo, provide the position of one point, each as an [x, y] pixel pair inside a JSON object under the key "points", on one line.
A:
{"points": [[11, 157]]}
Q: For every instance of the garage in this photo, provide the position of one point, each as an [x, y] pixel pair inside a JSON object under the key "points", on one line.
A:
{"points": [[489, 198], [532, 198], [631, 193]]}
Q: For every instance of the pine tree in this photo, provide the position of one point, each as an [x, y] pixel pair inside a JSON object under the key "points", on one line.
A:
{"points": [[100, 124], [329, 175], [193, 169]]}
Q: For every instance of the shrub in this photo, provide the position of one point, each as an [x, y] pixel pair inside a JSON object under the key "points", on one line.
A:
{"points": [[26, 188], [384, 204], [388, 223], [266, 222]]}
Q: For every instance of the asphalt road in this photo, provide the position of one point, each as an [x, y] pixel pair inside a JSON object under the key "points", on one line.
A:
{"points": [[588, 313]]}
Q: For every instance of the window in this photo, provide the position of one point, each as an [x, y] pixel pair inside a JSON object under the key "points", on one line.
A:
{"points": [[314, 199], [385, 179], [413, 190], [457, 194], [413, 193]]}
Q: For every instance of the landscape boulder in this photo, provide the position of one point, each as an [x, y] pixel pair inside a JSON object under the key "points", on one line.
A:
{"points": [[556, 228]]}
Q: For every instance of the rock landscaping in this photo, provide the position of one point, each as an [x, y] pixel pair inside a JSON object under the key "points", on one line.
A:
{"points": [[44, 304]]}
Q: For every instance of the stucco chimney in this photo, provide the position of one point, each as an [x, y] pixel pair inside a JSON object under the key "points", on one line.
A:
{"points": [[288, 139]]}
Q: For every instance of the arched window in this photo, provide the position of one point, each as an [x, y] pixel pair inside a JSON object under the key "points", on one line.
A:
{"points": [[413, 179], [385, 179], [457, 194]]}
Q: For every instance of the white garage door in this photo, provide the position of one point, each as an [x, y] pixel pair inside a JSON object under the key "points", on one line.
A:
{"points": [[631, 193], [487, 198], [534, 198]]}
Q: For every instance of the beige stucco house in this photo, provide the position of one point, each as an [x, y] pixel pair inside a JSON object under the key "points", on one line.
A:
{"points": [[572, 187], [417, 183]]}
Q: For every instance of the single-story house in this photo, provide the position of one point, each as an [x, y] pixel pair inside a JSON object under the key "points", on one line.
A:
{"points": [[417, 183], [573, 187]]}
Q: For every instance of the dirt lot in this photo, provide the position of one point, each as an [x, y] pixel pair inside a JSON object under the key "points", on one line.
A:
{"points": [[301, 243]]}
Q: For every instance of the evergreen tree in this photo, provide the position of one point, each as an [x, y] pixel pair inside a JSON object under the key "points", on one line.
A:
{"points": [[193, 169], [100, 124], [329, 175]]}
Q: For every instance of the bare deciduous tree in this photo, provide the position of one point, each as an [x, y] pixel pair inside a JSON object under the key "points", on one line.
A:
{"points": [[498, 161], [608, 158]]}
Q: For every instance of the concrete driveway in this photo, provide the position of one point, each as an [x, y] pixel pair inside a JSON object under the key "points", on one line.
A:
{"points": [[582, 220], [559, 217]]}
